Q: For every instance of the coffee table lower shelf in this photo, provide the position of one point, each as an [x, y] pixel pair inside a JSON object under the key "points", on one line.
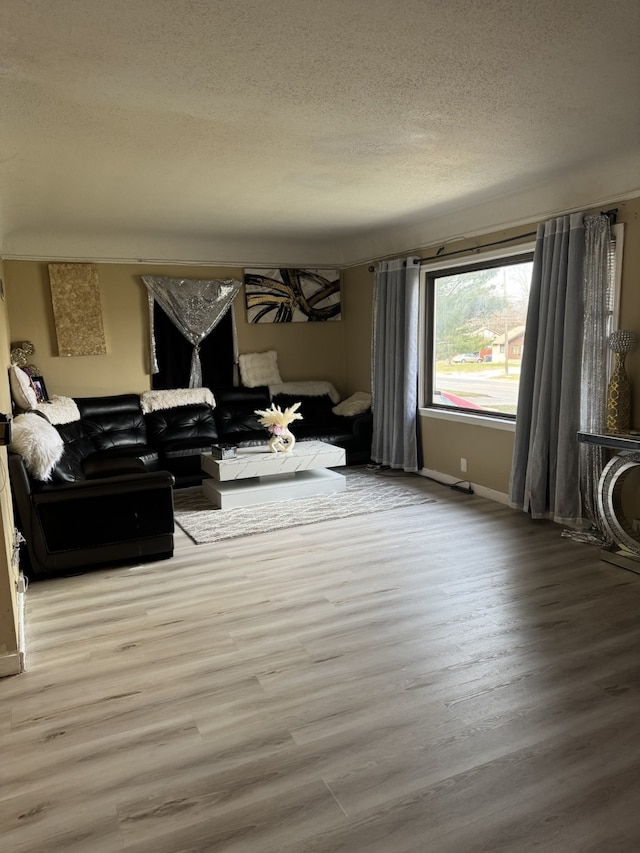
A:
{"points": [[232, 494]]}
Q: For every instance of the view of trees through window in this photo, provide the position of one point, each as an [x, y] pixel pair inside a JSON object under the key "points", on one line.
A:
{"points": [[478, 335]]}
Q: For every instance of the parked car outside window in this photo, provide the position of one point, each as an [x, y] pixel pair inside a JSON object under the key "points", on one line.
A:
{"points": [[467, 358]]}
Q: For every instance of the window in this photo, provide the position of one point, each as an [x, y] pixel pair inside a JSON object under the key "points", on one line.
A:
{"points": [[476, 314]]}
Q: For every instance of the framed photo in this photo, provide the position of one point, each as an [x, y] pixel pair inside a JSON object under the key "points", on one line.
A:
{"points": [[41, 389]]}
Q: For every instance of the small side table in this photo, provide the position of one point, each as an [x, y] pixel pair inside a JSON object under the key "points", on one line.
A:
{"points": [[626, 549]]}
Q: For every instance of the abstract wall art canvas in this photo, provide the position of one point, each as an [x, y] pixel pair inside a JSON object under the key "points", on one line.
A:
{"points": [[292, 295]]}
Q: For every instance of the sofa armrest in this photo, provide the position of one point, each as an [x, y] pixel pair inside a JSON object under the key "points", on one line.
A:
{"points": [[99, 467], [361, 426], [104, 487]]}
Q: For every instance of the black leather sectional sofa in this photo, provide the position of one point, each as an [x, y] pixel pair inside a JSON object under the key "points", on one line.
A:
{"points": [[113, 436], [110, 497]]}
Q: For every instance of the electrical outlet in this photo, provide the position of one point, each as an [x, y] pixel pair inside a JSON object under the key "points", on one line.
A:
{"points": [[463, 465]]}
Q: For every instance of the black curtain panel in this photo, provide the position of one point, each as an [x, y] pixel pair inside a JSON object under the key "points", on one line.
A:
{"points": [[174, 354]]}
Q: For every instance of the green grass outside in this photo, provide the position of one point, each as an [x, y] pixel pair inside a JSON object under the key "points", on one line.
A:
{"points": [[488, 369]]}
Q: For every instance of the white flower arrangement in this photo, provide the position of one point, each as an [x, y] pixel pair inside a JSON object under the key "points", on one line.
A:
{"points": [[277, 423]]}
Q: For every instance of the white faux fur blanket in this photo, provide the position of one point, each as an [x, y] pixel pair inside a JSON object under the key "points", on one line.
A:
{"points": [[60, 410], [155, 401], [311, 388]]}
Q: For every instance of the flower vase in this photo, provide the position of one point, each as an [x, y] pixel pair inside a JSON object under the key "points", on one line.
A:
{"points": [[619, 398], [282, 442]]}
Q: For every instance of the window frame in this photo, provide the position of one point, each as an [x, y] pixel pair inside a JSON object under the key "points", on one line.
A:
{"points": [[520, 253], [473, 417]]}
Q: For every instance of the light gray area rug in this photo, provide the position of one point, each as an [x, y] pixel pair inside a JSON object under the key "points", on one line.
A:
{"points": [[366, 492]]}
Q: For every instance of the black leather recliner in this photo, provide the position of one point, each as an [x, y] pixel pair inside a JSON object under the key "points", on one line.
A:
{"points": [[77, 525]]}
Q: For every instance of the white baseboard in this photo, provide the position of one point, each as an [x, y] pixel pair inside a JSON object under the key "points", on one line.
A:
{"points": [[10, 664], [15, 662], [22, 646], [481, 491]]}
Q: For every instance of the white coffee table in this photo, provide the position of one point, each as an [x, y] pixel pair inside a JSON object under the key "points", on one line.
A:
{"points": [[257, 476]]}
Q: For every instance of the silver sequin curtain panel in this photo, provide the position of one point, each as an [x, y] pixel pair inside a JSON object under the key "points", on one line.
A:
{"points": [[545, 475], [195, 306], [599, 287], [395, 364]]}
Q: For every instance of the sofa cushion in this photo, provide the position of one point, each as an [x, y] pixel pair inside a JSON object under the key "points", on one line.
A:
{"points": [[236, 419], [119, 460], [190, 426], [235, 411], [106, 464], [185, 447], [115, 421], [77, 446], [317, 414]]}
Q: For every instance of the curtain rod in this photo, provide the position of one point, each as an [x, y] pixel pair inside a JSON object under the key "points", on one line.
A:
{"points": [[611, 214], [439, 254]]}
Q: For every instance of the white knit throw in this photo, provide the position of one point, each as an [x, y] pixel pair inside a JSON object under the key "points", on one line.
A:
{"points": [[310, 388], [155, 401], [60, 410]]}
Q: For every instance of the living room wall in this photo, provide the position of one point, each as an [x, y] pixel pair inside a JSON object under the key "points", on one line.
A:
{"points": [[305, 350], [9, 632], [488, 451], [339, 352]]}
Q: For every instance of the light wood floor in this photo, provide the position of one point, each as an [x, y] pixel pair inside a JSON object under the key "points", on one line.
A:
{"points": [[448, 678]]}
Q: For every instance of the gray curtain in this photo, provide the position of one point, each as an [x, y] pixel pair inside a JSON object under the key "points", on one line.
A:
{"points": [[598, 310], [195, 306], [395, 364], [545, 476]]}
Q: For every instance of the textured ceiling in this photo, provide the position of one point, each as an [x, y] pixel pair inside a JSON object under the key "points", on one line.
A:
{"points": [[298, 132]]}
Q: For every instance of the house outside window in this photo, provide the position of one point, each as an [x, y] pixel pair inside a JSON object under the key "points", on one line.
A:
{"points": [[475, 314]]}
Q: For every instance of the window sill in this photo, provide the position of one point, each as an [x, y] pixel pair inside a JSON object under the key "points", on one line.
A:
{"points": [[465, 418]]}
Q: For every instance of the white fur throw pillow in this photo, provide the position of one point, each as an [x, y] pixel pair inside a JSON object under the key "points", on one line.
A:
{"points": [[259, 368], [22, 390], [38, 442], [356, 404]]}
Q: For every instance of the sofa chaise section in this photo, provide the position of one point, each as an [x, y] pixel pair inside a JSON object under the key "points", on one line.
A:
{"points": [[70, 526]]}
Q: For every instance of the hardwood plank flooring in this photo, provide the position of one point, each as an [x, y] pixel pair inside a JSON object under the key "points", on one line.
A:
{"points": [[444, 678]]}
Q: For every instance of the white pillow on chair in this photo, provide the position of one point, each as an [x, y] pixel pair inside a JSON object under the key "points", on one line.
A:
{"points": [[259, 368]]}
